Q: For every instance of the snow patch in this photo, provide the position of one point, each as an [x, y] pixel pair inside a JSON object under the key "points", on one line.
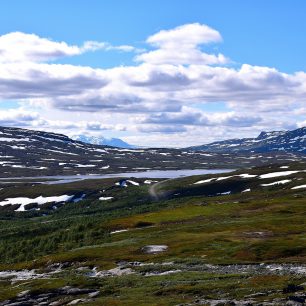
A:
{"points": [[276, 183], [149, 182], [105, 198], [119, 231], [205, 181], [276, 174], [223, 178], [23, 201], [299, 187], [13, 139], [105, 167], [246, 175], [133, 183], [84, 166]]}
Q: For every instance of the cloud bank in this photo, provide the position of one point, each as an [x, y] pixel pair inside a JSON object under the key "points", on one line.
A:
{"points": [[169, 89]]}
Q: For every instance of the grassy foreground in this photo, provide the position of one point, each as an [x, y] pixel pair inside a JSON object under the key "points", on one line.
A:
{"points": [[248, 247]]}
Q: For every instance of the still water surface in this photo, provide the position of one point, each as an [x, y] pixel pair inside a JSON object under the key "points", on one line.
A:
{"points": [[169, 174]]}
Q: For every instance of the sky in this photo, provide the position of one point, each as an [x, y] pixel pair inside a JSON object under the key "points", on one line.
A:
{"points": [[159, 73]]}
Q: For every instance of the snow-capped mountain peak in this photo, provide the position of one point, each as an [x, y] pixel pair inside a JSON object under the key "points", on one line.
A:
{"points": [[102, 141]]}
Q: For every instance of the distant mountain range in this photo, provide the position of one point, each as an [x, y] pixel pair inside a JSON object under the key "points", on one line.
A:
{"points": [[36, 153], [281, 141], [102, 141]]}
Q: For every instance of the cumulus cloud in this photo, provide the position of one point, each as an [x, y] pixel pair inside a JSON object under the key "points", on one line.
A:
{"points": [[18, 117], [182, 46], [30, 80], [189, 116], [159, 94], [24, 47], [31, 119]]}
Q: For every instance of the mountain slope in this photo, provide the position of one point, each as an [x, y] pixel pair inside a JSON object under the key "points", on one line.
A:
{"points": [[34, 153], [113, 142], [281, 141]]}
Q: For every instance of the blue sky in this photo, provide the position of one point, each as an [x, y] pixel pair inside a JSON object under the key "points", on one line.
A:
{"points": [[266, 34]]}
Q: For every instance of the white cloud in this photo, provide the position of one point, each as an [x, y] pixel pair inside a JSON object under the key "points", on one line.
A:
{"points": [[94, 45], [186, 36], [301, 123], [190, 117], [32, 119], [150, 88], [23, 47], [33, 80], [158, 96], [18, 117], [182, 46], [162, 128]]}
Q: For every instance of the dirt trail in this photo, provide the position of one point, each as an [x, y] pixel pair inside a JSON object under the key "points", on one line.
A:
{"points": [[153, 189]]}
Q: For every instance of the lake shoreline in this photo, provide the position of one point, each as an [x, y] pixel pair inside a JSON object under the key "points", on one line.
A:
{"points": [[166, 174]]}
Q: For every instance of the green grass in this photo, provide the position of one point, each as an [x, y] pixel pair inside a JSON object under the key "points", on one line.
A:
{"points": [[265, 225]]}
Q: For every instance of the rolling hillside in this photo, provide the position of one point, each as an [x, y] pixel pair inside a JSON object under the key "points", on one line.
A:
{"points": [[278, 141], [35, 153]]}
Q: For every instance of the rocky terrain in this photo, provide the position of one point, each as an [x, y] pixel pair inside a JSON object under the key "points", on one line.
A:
{"points": [[278, 141], [234, 238], [35, 153]]}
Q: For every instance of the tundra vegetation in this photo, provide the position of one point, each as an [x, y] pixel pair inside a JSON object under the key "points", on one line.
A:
{"points": [[228, 238]]}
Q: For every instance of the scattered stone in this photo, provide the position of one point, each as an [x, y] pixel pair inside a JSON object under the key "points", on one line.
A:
{"points": [[93, 294], [75, 302], [263, 234], [23, 293], [74, 291], [25, 298], [56, 303], [119, 271], [153, 249], [156, 273]]}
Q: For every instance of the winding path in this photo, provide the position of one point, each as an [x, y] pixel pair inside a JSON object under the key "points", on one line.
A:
{"points": [[153, 189]]}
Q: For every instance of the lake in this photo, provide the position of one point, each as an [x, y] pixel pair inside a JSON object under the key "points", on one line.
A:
{"points": [[167, 174]]}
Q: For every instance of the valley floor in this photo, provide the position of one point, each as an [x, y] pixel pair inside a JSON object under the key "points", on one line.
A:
{"points": [[220, 239]]}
